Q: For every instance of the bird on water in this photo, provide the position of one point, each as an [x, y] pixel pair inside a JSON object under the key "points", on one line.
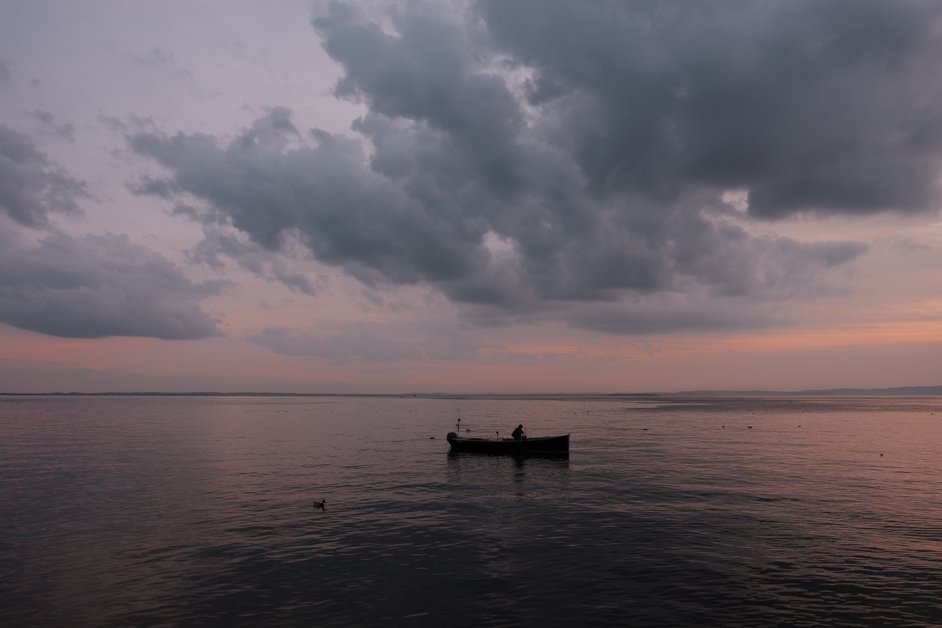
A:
{"points": [[320, 504]]}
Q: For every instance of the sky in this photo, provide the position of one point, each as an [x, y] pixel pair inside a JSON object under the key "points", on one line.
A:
{"points": [[470, 196]]}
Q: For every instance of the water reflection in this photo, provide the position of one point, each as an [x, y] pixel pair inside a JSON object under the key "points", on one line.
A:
{"points": [[536, 466], [520, 461]]}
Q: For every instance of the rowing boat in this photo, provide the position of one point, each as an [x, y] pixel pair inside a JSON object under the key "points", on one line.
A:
{"points": [[540, 446]]}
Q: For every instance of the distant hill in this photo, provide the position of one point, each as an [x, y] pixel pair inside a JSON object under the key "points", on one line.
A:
{"points": [[902, 391]]}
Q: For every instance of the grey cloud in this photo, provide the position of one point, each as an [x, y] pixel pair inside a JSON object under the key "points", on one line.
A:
{"points": [[97, 286], [726, 261], [251, 257], [32, 187], [153, 57], [112, 123], [824, 106], [183, 209], [63, 130], [149, 186], [159, 59], [348, 215], [535, 157], [427, 74]]}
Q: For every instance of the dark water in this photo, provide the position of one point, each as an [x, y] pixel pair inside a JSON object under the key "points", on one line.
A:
{"points": [[198, 511]]}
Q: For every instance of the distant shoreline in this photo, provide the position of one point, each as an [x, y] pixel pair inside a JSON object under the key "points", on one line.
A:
{"points": [[901, 391]]}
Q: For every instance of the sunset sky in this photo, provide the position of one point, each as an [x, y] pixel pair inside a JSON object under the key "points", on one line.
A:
{"points": [[480, 196]]}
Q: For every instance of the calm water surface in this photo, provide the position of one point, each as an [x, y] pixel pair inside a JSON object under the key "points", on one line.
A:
{"points": [[198, 511]]}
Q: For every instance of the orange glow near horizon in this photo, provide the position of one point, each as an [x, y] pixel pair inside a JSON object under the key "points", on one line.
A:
{"points": [[854, 335], [791, 340], [589, 362]]}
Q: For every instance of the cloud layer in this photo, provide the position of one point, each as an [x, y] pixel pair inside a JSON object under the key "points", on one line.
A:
{"points": [[824, 106], [573, 160], [31, 187], [96, 286], [81, 287]]}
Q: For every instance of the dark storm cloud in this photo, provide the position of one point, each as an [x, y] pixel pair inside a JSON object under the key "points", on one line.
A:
{"points": [[532, 156], [97, 286], [271, 187], [428, 73], [31, 186], [829, 106]]}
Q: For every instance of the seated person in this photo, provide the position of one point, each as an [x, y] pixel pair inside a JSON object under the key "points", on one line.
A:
{"points": [[518, 433]]}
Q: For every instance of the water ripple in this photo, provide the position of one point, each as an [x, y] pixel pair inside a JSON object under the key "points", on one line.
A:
{"points": [[187, 511]]}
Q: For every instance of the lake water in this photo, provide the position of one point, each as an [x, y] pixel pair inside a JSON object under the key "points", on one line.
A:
{"points": [[148, 511]]}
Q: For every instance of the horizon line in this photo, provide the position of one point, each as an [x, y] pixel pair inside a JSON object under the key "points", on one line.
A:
{"points": [[894, 390]]}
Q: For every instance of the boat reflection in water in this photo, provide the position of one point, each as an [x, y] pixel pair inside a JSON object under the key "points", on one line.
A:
{"points": [[541, 446]]}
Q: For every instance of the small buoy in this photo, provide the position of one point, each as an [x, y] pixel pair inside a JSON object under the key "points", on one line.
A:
{"points": [[320, 504], [881, 455]]}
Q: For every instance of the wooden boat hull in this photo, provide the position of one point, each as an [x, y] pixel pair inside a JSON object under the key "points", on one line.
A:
{"points": [[543, 446]]}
